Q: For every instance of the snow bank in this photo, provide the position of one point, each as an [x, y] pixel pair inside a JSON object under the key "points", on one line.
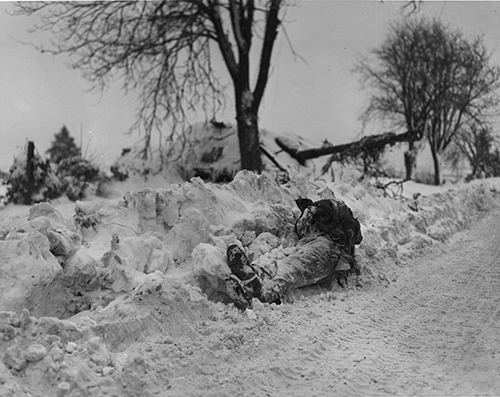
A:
{"points": [[25, 261], [395, 230], [182, 230], [119, 271]]}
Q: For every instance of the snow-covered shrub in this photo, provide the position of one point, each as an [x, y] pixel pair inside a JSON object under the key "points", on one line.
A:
{"points": [[133, 166], [46, 185], [119, 168], [495, 162], [75, 172], [119, 174], [76, 175], [131, 163], [3, 188]]}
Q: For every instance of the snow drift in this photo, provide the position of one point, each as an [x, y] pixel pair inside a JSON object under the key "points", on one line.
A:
{"points": [[121, 271]]}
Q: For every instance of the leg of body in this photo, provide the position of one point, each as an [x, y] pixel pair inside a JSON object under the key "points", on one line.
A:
{"points": [[314, 260]]}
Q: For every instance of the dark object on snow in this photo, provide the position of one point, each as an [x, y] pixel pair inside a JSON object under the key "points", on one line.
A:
{"points": [[236, 293], [213, 155], [125, 151], [334, 219], [331, 217], [303, 203], [30, 172], [219, 124], [328, 232]]}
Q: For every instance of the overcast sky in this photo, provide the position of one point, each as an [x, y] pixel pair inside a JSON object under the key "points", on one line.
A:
{"points": [[319, 99]]}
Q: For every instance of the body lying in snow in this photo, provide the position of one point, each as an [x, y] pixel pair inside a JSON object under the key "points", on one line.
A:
{"points": [[328, 233]]}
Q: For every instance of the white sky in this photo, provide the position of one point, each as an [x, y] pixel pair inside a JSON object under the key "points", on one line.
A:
{"points": [[319, 99]]}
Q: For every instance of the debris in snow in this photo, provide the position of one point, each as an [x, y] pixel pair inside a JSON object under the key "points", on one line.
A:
{"points": [[248, 237], [210, 268], [8, 332], [98, 352], [71, 347], [63, 388], [191, 229], [251, 314], [13, 358], [145, 254], [35, 352]]}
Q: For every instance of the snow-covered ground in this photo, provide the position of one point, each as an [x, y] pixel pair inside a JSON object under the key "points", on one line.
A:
{"points": [[86, 286]]}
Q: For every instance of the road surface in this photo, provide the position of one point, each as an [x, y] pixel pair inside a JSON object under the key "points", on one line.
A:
{"points": [[434, 331]]}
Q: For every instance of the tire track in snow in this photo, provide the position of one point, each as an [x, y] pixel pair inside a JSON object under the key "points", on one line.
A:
{"points": [[436, 330]]}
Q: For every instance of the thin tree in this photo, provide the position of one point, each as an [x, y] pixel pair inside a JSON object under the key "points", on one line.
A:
{"points": [[429, 79], [476, 143], [165, 50], [467, 84]]}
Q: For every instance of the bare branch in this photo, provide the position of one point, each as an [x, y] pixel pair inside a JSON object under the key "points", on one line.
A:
{"points": [[162, 51], [226, 49], [159, 49], [271, 31]]}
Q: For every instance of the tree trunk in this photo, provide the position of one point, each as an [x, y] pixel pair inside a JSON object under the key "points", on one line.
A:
{"points": [[147, 146], [248, 132], [410, 158], [30, 172], [435, 159]]}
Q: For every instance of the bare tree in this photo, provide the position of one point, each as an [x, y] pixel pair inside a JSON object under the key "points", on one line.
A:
{"points": [[165, 50], [429, 80], [401, 87], [467, 84]]}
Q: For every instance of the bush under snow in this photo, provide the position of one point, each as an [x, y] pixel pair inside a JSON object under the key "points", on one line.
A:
{"points": [[46, 185]]}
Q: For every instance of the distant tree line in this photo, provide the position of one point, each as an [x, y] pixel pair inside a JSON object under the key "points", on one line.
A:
{"points": [[432, 83], [429, 81], [436, 84]]}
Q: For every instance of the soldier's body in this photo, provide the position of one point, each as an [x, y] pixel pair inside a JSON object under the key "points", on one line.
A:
{"points": [[328, 233]]}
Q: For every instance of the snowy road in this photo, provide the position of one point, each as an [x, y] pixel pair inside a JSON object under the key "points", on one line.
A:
{"points": [[436, 330]]}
